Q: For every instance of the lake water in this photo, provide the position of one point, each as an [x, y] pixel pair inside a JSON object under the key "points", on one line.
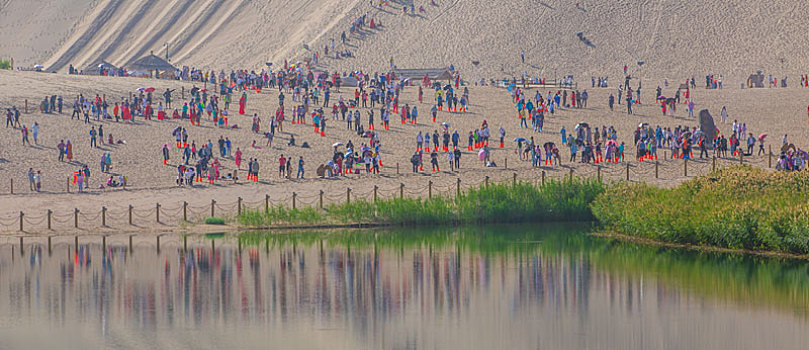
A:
{"points": [[499, 287]]}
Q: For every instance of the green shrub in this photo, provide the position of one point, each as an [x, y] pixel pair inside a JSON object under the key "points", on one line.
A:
{"points": [[214, 221], [738, 207]]}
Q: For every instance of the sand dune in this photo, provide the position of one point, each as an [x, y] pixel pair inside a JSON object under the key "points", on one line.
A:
{"points": [[674, 39]]}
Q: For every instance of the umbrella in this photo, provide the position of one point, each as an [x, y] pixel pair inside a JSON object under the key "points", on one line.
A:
{"points": [[481, 155], [582, 125], [141, 89], [510, 87], [612, 142], [336, 144], [203, 90], [661, 97], [100, 65], [39, 66], [786, 147], [520, 139], [445, 124], [762, 137], [548, 145], [151, 89], [643, 125]]}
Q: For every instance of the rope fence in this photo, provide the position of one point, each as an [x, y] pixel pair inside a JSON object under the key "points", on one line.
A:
{"points": [[638, 171]]}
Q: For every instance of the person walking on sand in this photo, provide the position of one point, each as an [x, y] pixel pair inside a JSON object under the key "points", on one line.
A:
{"points": [[38, 180], [724, 114], [61, 147], [35, 132], [31, 183], [300, 168], [93, 135], [24, 131], [243, 103]]}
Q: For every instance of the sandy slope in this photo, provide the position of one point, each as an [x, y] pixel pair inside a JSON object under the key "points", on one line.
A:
{"points": [[673, 38]]}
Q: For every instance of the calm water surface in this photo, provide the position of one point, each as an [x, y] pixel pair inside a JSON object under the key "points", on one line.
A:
{"points": [[513, 287]]}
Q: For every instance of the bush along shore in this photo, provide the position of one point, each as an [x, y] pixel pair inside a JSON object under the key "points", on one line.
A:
{"points": [[736, 208], [562, 200]]}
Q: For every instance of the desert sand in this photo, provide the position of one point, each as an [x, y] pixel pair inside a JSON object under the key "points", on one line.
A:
{"points": [[676, 40]]}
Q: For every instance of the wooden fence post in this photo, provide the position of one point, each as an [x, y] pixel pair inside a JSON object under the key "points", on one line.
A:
{"points": [[685, 167], [67, 188], [713, 163], [76, 218], [514, 179], [769, 164], [598, 173], [487, 181], [49, 219], [12, 185], [543, 177], [348, 195], [213, 206], [104, 216], [21, 220], [506, 163], [239, 206], [627, 171], [571, 174], [376, 188], [657, 171], [130, 214], [430, 189], [157, 212], [401, 191], [185, 211], [321, 200], [266, 203], [458, 188], [741, 157], [26, 106], [294, 200], [397, 168]]}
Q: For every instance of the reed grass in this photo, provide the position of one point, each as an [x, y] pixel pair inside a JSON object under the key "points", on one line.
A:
{"points": [[738, 207], [562, 200]]}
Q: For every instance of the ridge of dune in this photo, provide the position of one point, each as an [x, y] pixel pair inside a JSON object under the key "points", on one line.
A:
{"points": [[137, 43], [116, 25]]}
